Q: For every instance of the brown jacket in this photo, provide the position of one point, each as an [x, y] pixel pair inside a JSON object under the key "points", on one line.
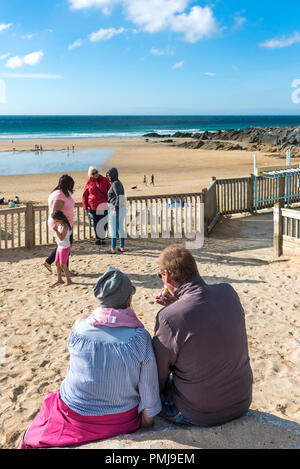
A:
{"points": [[201, 339]]}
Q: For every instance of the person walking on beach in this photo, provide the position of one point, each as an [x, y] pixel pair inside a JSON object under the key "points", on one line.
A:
{"points": [[62, 232], [152, 179], [60, 199], [145, 180], [111, 385], [117, 210], [94, 201], [201, 347]]}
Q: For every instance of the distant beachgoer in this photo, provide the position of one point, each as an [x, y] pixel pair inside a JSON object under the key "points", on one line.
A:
{"points": [[62, 232], [11, 204], [145, 180], [117, 210], [17, 200], [111, 385], [60, 199], [94, 201], [152, 179], [2, 201], [73, 148]]}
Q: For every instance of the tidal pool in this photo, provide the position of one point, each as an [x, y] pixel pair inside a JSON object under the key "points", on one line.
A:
{"points": [[13, 163]]}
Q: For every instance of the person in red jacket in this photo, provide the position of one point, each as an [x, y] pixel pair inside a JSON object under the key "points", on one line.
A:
{"points": [[94, 201]]}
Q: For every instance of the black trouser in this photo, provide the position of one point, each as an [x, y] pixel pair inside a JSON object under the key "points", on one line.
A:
{"points": [[51, 258], [97, 217]]}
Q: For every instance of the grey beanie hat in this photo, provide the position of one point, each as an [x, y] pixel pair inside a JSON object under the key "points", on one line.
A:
{"points": [[113, 289]]}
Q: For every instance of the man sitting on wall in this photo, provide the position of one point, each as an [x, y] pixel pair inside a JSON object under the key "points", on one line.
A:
{"points": [[201, 347]]}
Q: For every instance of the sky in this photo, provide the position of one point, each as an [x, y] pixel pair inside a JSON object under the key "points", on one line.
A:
{"points": [[148, 57]]}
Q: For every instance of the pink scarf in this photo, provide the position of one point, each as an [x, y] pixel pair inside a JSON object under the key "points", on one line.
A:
{"points": [[114, 318]]}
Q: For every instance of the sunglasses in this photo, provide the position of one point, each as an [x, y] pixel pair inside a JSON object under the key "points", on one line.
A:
{"points": [[160, 274], [95, 172]]}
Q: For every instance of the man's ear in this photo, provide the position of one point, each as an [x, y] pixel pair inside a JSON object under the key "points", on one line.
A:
{"points": [[168, 277]]}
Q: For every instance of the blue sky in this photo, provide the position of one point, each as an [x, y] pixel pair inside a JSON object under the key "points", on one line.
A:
{"points": [[149, 57]]}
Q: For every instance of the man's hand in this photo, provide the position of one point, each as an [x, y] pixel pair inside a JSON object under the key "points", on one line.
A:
{"points": [[166, 300]]}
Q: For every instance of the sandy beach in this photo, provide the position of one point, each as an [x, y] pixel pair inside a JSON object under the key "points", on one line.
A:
{"points": [[175, 169], [36, 320]]}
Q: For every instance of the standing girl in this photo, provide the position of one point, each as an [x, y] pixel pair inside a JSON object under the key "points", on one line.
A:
{"points": [[60, 199], [62, 232]]}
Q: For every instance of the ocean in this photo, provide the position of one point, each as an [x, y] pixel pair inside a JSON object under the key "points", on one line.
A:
{"points": [[78, 127]]}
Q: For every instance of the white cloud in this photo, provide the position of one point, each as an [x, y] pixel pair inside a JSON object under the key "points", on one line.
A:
{"points": [[153, 15], [42, 76], [29, 59], [105, 5], [27, 36], [281, 42], [34, 58], [161, 52], [158, 15], [75, 44], [196, 25], [210, 74], [104, 34], [178, 65], [239, 21], [14, 62], [4, 56], [4, 26]]}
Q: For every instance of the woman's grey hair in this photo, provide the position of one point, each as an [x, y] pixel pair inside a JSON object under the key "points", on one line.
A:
{"points": [[91, 169]]}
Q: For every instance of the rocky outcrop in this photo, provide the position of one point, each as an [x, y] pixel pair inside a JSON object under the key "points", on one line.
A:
{"points": [[268, 139]]}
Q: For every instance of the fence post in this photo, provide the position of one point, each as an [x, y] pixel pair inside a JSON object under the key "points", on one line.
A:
{"points": [[29, 226], [204, 192], [278, 229], [281, 191], [250, 194]]}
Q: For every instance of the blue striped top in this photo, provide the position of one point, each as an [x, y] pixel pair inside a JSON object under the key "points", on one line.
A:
{"points": [[111, 370]]}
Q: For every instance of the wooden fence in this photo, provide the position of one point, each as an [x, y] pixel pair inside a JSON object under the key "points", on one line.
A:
{"points": [[176, 215], [237, 195], [286, 230]]}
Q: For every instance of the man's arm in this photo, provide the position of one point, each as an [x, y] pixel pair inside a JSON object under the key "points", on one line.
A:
{"points": [[164, 345]]}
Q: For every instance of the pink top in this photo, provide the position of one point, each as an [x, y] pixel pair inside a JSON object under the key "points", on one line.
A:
{"points": [[114, 318], [68, 208]]}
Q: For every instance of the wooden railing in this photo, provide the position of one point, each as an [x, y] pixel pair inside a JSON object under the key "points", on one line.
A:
{"points": [[176, 215], [12, 227], [286, 230], [211, 209], [155, 215], [237, 195]]}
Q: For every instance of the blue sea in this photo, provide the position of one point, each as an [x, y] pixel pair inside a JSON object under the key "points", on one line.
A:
{"points": [[73, 127], [100, 127]]}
